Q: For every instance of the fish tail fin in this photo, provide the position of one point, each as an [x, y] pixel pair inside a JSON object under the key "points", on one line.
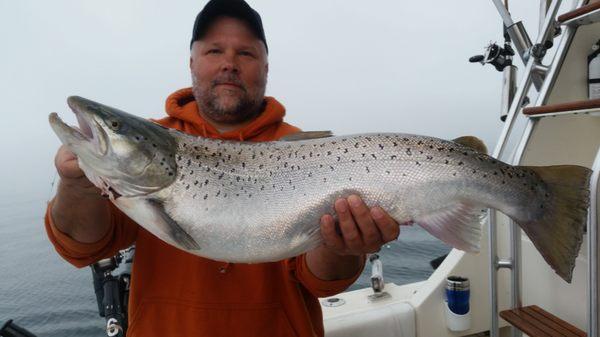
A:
{"points": [[558, 233]]}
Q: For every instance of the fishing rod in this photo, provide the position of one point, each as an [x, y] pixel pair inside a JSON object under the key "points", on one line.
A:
{"points": [[501, 58]]}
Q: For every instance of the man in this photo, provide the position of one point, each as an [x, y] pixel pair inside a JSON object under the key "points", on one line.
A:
{"points": [[174, 293]]}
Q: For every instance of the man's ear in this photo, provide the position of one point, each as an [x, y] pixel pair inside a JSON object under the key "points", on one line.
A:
{"points": [[267, 68], [191, 60]]}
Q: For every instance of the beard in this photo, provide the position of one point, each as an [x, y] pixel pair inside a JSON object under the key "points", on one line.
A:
{"points": [[230, 108]]}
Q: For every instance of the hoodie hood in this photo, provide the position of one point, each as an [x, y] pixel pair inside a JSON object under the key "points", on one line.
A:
{"points": [[182, 106]]}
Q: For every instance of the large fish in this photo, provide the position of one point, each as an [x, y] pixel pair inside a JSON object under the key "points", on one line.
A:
{"points": [[257, 202]]}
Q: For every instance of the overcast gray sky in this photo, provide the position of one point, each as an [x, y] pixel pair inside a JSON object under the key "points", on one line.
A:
{"points": [[350, 66]]}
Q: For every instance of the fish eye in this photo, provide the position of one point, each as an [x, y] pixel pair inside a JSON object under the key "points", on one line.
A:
{"points": [[114, 124]]}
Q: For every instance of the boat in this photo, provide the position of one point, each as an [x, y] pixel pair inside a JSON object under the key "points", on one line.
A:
{"points": [[549, 119]]}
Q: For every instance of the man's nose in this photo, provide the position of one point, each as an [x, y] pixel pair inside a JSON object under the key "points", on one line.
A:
{"points": [[229, 63]]}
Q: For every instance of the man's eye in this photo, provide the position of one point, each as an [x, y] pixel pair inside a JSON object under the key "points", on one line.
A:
{"points": [[246, 53], [213, 51]]}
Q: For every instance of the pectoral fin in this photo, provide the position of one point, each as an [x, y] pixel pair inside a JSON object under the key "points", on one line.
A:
{"points": [[151, 214], [180, 236]]}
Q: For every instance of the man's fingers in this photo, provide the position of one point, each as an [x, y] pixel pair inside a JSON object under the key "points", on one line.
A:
{"points": [[348, 227], [66, 164], [388, 228], [330, 236], [362, 216]]}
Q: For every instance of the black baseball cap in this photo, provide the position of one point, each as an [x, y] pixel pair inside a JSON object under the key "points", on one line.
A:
{"points": [[238, 9]]}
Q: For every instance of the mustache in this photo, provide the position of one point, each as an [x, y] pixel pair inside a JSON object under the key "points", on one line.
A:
{"points": [[229, 79]]}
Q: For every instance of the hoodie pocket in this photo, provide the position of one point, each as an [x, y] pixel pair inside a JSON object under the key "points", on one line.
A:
{"points": [[168, 317]]}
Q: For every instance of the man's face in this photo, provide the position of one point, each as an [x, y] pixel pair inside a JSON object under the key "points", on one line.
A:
{"points": [[229, 71]]}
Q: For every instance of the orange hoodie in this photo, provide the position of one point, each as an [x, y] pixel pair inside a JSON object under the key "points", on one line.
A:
{"points": [[174, 293]]}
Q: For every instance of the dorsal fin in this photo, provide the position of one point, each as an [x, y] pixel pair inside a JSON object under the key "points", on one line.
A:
{"points": [[302, 135], [472, 142]]}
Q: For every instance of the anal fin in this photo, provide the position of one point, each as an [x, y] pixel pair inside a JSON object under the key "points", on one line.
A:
{"points": [[458, 225]]}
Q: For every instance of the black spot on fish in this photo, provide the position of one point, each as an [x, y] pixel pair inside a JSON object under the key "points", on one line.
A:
{"points": [[393, 157], [466, 153], [420, 142], [429, 157], [178, 157], [205, 196], [350, 179], [368, 170], [153, 145], [345, 150], [196, 182], [460, 163], [187, 187], [331, 167], [381, 146], [388, 172], [446, 162], [324, 180], [170, 173], [485, 175], [329, 153], [418, 164], [373, 155], [408, 152], [395, 144], [189, 162], [221, 175]]}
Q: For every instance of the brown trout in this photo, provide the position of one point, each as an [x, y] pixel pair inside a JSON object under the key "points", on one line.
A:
{"points": [[258, 202]]}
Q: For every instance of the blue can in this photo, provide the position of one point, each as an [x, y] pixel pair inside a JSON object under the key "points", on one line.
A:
{"points": [[457, 294]]}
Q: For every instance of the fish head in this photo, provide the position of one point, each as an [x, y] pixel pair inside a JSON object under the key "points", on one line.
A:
{"points": [[116, 150]]}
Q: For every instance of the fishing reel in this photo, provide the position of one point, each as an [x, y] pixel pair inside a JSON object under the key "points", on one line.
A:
{"points": [[499, 57], [112, 292]]}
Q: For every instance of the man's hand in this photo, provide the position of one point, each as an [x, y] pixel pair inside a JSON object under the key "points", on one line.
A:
{"points": [[362, 230], [78, 209], [69, 171]]}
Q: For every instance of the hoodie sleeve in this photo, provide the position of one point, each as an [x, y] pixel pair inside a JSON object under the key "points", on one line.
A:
{"points": [[120, 235], [316, 286]]}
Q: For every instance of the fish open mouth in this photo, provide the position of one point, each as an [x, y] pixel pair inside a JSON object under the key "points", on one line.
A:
{"points": [[88, 133]]}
